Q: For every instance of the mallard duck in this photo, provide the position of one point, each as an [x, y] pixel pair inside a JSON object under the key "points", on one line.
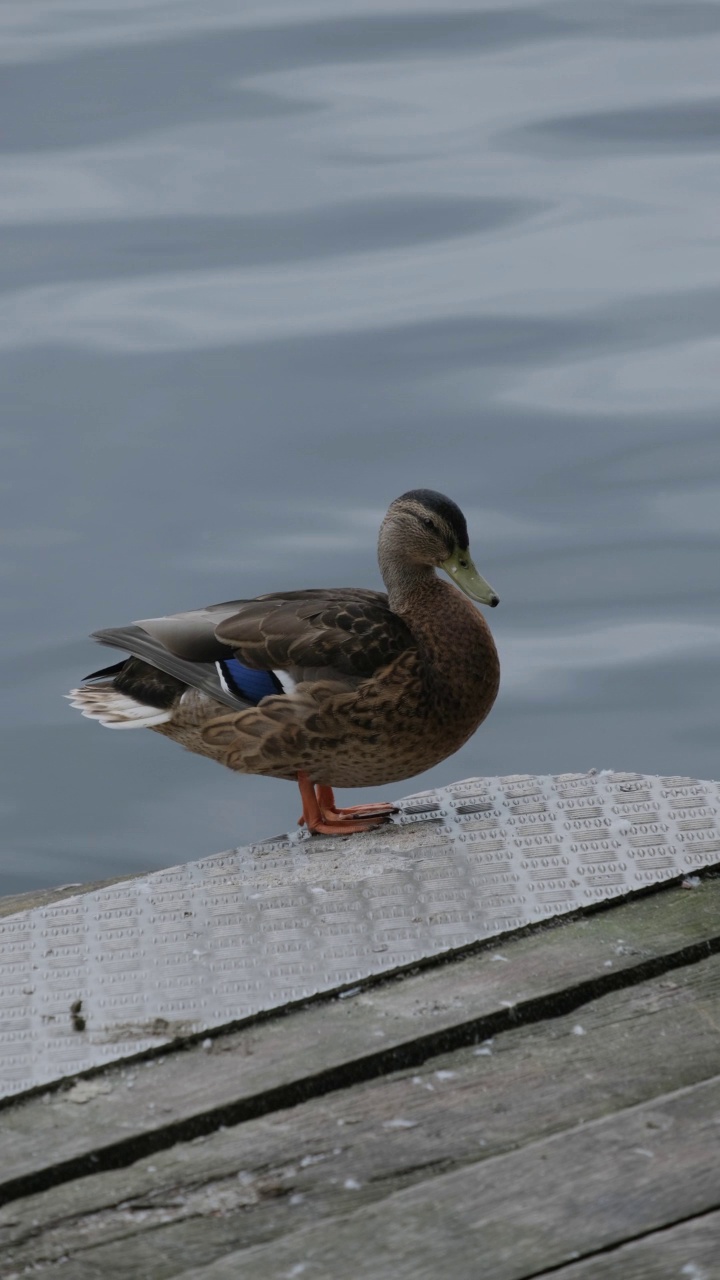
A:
{"points": [[328, 687]]}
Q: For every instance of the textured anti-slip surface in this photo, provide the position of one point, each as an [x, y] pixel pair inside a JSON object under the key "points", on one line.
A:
{"points": [[96, 977]]}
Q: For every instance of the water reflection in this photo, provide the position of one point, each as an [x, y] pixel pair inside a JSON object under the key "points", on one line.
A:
{"points": [[680, 126], [260, 275]]}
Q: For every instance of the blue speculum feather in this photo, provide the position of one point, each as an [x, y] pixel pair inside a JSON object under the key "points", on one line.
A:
{"points": [[247, 682]]}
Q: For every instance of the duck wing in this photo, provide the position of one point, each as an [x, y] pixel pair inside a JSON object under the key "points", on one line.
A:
{"points": [[315, 634], [335, 633]]}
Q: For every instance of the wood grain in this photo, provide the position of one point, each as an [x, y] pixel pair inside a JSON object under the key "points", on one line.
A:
{"points": [[690, 1251], [362, 1145], [323, 1047], [517, 1215]]}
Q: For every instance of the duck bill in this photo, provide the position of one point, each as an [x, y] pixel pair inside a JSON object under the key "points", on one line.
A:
{"points": [[460, 568]]}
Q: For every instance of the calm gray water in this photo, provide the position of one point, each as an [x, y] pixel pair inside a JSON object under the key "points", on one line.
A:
{"points": [[267, 265]]}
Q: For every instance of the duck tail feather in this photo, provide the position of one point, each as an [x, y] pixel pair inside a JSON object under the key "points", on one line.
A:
{"points": [[115, 710]]}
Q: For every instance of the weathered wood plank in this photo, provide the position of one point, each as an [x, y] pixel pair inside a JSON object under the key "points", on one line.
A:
{"points": [[690, 1251], [264, 1179], [519, 1214], [246, 1072]]}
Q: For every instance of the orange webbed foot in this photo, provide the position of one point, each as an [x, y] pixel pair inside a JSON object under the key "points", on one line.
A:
{"points": [[326, 801], [322, 817]]}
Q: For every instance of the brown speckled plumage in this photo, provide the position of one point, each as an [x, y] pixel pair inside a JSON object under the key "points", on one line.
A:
{"points": [[386, 686]]}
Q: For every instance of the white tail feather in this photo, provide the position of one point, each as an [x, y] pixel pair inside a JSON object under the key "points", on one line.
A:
{"points": [[115, 710]]}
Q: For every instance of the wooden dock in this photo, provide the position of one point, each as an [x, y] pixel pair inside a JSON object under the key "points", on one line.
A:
{"points": [[540, 1103]]}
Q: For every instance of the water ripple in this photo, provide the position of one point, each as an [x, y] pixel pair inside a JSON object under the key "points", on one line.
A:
{"points": [[657, 127], [263, 268], [44, 252], [111, 93]]}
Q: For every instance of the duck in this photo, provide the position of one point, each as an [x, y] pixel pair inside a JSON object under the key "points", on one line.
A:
{"points": [[327, 687]]}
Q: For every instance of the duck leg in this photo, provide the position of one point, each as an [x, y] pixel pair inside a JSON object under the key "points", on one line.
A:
{"points": [[326, 800], [322, 818]]}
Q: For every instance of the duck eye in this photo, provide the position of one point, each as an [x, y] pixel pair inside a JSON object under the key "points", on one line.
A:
{"points": [[429, 524]]}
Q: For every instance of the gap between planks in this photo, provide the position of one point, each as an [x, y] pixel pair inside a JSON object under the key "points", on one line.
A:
{"points": [[94, 1136], [191, 1205], [537, 1081], [686, 1251], [522, 1215], [158, 1220]]}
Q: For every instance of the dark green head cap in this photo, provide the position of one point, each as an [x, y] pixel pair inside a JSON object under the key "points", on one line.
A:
{"points": [[444, 507]]}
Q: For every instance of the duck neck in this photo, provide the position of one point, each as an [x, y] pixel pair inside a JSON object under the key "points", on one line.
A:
{"points": [[452, 637], [408, 585], [458, 667], [408, 581]]}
